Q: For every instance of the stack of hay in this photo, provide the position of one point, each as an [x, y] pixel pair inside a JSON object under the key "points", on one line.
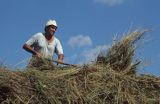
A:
{"points": [[113, 82]]}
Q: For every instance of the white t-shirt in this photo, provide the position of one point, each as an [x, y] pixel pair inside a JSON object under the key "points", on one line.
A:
{"points": [[40, 44]]}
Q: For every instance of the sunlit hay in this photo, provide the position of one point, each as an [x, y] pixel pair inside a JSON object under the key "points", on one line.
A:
{"points": [[120, 56], [86, 84], [40, 64]]}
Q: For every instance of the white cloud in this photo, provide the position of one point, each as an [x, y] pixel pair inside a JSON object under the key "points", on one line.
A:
{"points": [[110, 2], [91, 55], [80, 41], [87, 56]]}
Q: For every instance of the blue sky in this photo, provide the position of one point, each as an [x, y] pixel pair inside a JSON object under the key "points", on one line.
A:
{"points": [[84, 27]]}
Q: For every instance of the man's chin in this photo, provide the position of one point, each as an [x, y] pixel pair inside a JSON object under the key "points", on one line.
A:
{"points": [[52, 33]]}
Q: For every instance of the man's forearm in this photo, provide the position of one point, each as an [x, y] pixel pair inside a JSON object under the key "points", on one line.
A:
{"points": [[60, 57], [29, 49]]}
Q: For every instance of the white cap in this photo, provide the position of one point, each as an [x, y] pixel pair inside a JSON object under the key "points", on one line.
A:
{"points": [[51, 22]]}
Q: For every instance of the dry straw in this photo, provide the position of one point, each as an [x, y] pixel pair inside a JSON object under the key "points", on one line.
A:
{"points": [[112, 82]]}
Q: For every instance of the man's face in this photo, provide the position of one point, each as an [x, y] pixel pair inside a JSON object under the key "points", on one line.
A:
{"points": [[51, 29]]}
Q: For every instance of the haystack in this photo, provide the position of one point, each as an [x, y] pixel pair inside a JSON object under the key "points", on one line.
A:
{"points": [[113, 82], [120, 56]]}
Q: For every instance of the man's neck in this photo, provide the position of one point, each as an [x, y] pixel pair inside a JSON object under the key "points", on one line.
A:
{"points": [[48, 36]]}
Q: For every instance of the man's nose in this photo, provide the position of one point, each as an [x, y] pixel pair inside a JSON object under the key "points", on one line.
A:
{"points": [[53, 29]]}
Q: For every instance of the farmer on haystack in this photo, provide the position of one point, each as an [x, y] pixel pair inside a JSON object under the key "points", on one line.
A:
{"points": [[43, 45]]}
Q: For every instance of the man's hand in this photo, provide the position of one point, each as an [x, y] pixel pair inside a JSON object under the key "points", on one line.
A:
{"points": [[60, 61], [37, 54], [60, 58]]}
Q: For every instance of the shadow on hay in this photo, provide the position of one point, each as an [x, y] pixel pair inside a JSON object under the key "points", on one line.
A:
{"points": [[5, 93]]}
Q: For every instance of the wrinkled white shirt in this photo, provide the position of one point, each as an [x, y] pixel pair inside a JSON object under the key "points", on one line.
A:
{"points": [[40, 44]]}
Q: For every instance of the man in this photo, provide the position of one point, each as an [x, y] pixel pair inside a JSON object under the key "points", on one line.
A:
{"points": [[43, 45]]}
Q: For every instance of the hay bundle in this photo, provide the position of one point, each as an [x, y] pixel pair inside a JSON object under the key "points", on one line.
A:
{"points": [[120, 55], [40, 64], [87, 84]]}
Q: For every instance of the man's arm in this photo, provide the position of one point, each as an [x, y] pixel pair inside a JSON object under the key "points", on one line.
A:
{"points": [[29, 49], [59, 51], [60, 57]]}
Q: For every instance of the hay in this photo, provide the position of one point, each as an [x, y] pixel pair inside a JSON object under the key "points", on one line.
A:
{"points": [[120, 55], [40, 64], [87, 84]]}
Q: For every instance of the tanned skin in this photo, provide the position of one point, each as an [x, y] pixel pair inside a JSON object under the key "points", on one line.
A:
{"points": [[49, 35]]}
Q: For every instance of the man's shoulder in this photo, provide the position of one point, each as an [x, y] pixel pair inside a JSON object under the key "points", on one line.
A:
{"points": [[56, 39], [38, 35]]}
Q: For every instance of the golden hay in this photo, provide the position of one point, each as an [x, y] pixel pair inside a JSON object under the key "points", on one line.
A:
{"points": [[87, 84], [120, 55]]}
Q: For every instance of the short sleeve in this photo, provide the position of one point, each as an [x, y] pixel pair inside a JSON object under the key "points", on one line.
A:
{"points": [[32, 40], [58, 48]]}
